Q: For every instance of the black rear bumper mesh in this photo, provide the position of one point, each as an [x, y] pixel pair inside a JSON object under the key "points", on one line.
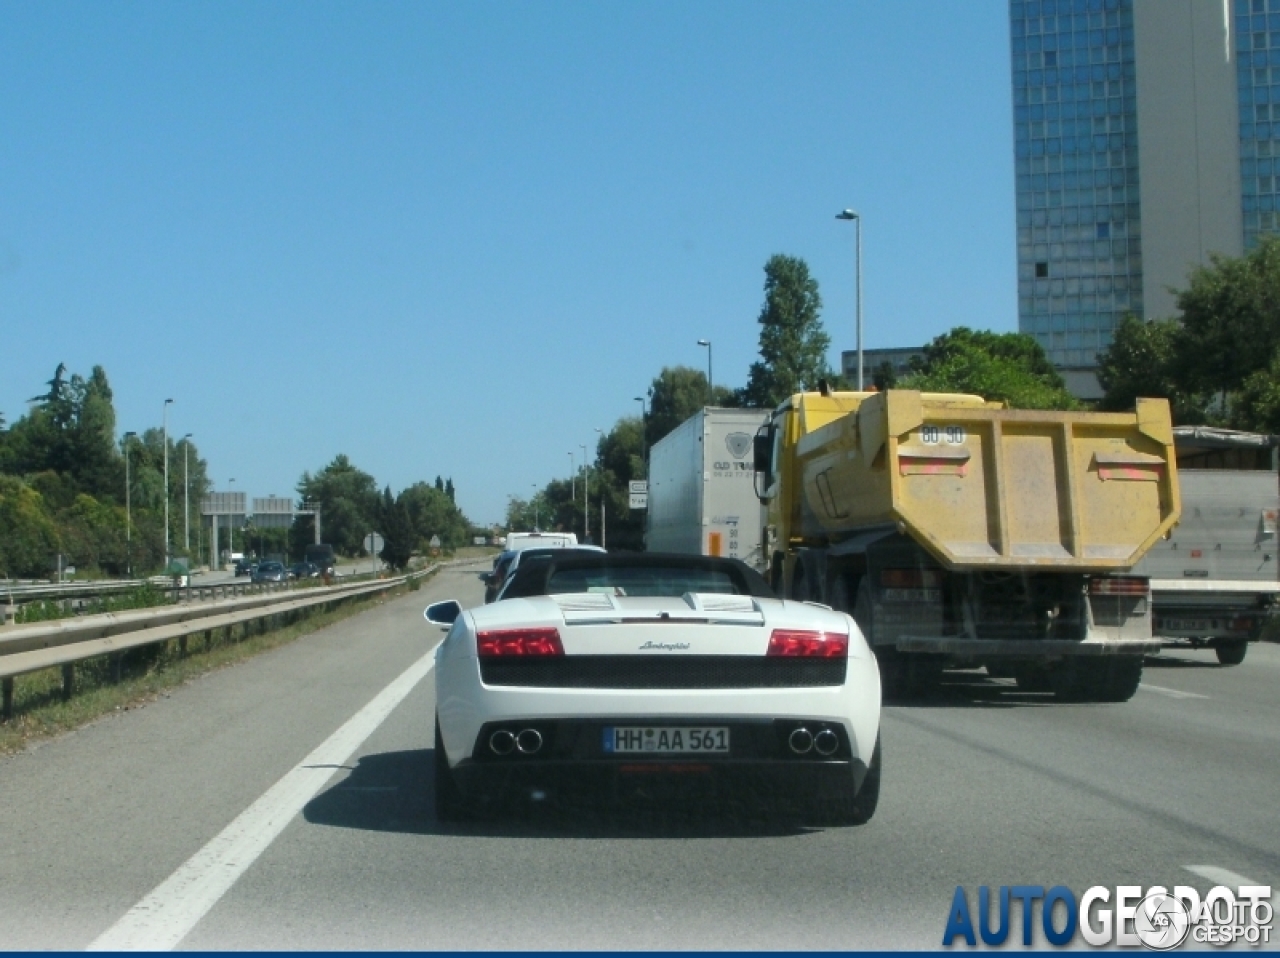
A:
{"points": [[663, 672]]}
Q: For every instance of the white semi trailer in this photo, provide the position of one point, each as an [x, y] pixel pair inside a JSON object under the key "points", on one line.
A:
{"points": [[702, 499], [1214, 581]]}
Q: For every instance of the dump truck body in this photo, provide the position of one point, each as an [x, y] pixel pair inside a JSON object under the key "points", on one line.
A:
{"points": [[957, 531]]}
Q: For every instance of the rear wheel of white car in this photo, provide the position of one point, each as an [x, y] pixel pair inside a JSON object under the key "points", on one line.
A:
{"points": [[854, 807], [451, 806]]}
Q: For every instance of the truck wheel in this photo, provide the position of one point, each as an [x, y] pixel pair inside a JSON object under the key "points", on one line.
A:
{"points": [[1032, 677], [1123, 677], [850, 807], [800, 589], [892, 668], [1112, 679], [451, 806], [1230, 651], [842, 595], [923, 673], [1076, 680]]}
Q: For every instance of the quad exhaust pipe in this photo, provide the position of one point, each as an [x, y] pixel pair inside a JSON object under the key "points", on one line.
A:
{"points": [[527, 742], [826, 742], [502, 742], [802, 741]]}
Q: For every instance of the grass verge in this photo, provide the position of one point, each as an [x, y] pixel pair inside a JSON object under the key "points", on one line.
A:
{"points": [[148, 672]]}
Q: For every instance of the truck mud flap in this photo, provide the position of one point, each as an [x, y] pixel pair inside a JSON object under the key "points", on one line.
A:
{"points": [[1026, 648]]}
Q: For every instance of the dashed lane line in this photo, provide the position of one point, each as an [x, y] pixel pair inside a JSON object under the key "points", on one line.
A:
{"points": [[165, 916], [1172, 693], [1232, 880]]}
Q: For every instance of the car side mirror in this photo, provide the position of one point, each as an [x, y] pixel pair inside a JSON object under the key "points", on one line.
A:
{"points": [[485, 577], [443, 614]]}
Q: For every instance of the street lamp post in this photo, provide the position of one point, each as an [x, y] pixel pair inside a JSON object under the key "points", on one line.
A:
{"points": [[644, 450], [710, 386], [573, 478], [537, 517], [586, 497], [186, 493], [857, 256], [128, 506], [600, 433], [167, 404], [231, 521]]}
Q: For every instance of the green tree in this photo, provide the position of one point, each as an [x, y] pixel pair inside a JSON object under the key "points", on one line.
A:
{"points": [[677, 393], [398, 535], [1007, 367], [1142, 361], [1256, 406], [433, 513], [349, 502], [1230, 315], [884, 377], [29, 538], [793, 344]]}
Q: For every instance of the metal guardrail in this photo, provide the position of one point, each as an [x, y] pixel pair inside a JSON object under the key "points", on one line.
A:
{"points": [[64, 642], [83, 592]]}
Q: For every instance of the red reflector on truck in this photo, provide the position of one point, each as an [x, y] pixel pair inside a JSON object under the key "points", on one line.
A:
{"points": [[910, 578], [1119, 585], [519, 642], [796, 642]]}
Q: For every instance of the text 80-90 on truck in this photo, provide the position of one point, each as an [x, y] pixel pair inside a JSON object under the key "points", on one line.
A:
{"points": [[960, 533]]}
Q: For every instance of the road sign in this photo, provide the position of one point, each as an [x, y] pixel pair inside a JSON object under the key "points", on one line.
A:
{"points": [[639, 493], [373, 543]]}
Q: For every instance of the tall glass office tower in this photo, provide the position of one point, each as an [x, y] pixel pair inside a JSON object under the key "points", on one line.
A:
{"points": [[1134, 124], [1257, 42], [1076, 146]]}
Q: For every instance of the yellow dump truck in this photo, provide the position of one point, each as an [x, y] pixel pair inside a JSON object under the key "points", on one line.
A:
{"points": [[959, 533]]}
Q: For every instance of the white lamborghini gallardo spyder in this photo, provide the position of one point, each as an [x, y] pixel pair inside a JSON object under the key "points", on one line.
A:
{"points": [[618, 673]]}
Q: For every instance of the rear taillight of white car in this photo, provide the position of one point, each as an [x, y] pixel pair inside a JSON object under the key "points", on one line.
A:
{"points": [[806, 644], [518, 642]]}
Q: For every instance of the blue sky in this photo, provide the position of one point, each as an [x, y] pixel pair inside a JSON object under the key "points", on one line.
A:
{"points": [[455, 238]]}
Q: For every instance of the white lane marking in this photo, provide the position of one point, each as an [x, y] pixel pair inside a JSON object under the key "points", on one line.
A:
{"points": [[1220, 876], [165, 916], [1172, 693]]}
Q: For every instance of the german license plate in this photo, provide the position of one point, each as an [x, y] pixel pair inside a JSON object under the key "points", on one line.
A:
{"points": [[1188, 625], [664, 740]]}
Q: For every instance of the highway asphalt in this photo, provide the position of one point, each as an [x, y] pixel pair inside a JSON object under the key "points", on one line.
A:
{"points": [[270, 805]]}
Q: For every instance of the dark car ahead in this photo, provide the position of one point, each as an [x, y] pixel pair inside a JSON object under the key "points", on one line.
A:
{"points": [[244, 567], [493, 580], [506, 564], [270, 572], [304, 570]]}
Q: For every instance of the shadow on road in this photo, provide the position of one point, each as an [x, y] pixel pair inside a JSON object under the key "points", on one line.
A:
{"points": [[969, 689], [1166, 661], [395, 792]]}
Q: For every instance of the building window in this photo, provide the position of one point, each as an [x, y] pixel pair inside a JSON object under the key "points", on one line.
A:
{"points": [[1104, 231], [1042, 270]]}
